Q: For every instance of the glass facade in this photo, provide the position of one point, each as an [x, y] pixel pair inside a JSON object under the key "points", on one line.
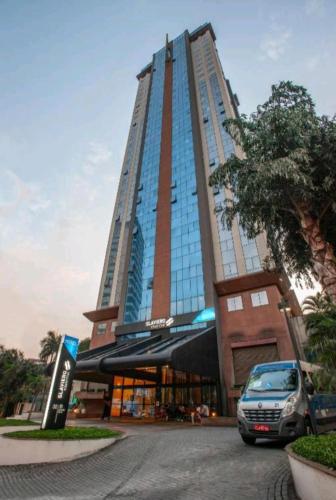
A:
{"points": [[186, 265], [221, 116], [133, 397], [251, 255], [111, 264], [187, 284], [250, 251], [224, 234], [138, 305]]}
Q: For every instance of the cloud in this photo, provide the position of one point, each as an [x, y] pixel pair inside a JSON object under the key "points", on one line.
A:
{"points": [[14, 192], [51, 264], [98, 155], [315, 7], [275, 44]]}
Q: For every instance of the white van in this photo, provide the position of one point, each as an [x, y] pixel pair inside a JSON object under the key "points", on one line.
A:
{"points": [[273, 405]]}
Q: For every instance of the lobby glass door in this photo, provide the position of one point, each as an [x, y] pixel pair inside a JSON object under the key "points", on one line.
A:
{"points": [[137, 397]]}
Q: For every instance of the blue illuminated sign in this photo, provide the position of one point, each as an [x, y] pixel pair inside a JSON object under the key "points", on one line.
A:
{"points": [[71, 345], [205, 315]]}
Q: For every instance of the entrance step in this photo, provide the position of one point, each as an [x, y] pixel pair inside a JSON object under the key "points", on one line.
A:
{"points": [[211, 421], [220, 421]]}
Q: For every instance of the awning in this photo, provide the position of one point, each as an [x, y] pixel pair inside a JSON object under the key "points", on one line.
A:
{"points": [[193, 353]]}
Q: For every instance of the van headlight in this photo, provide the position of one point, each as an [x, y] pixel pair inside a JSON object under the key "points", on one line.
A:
{"points": [[290, 406], [240, 412]]}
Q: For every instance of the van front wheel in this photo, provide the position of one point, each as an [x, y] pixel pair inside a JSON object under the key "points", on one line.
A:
{"points": [[249, 440]]}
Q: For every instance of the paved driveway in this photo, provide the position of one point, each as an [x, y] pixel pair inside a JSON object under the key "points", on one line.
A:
{"points": [[160, 463]]}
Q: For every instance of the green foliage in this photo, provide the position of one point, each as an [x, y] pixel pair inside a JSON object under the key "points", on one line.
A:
{"points": [[325, 381], [67, 433], [19, 377], [84, 344], [321, 329], [49, 346], [14, 422], [320, 449], [290, 162], [319, 303], [321, 347]]}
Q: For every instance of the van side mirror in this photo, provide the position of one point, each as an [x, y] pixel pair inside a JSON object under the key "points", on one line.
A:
{"points": [[242, 388], [309, 388]]}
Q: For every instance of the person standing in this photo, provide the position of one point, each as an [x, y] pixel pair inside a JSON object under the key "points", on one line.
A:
{"points": [[198, 416], [205, 410], [106, 407]]}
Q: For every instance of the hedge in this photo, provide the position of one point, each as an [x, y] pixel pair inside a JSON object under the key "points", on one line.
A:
{"points": [[67, 433], [320, 449]]}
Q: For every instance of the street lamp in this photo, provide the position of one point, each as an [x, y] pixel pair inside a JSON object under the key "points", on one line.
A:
{"points": [[284, 306]]}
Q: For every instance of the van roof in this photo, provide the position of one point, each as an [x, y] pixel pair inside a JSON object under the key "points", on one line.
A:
{"points": [[285, 365]]}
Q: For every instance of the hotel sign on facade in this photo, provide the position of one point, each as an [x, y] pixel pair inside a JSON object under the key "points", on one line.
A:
{"points": [[155, 324]]}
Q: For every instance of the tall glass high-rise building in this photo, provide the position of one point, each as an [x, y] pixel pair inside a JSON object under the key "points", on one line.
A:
{"points": [[185, 307]]}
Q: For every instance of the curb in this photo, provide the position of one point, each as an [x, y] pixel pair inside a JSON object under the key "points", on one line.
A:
{"points": [[65, 460]]}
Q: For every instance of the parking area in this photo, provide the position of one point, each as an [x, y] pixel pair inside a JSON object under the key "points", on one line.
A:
{"points": [[161, 463]]}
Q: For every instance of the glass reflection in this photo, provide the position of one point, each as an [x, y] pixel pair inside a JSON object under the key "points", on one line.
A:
{"points": [[187, 286], [138, 304]]}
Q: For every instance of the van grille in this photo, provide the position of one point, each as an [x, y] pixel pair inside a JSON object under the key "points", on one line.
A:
{"points": [[262, 415]]}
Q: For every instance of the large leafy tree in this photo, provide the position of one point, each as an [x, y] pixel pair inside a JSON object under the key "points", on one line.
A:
{"points": [[285, 182], [19, 379], [49, 346]]}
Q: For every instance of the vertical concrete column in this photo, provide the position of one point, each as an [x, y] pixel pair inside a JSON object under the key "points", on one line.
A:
{"points": [[161, 282]]}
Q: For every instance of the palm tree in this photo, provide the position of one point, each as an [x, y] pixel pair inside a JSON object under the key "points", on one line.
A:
{"points": [[49, 346], [321, 329], [321, 346], [319, 303]]}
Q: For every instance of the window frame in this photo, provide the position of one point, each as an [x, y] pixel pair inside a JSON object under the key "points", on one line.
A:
{"points": [[237, 307], [256, 295]]}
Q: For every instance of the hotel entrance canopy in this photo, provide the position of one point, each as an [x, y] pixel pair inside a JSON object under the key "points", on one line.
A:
{"points": [[193, 353]]}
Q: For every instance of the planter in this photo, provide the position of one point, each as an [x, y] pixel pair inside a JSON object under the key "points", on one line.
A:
{"points": [[33, 451], [312, 481]]}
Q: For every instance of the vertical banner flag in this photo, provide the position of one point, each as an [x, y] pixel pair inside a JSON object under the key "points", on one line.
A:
{"points": [[59, 393]]}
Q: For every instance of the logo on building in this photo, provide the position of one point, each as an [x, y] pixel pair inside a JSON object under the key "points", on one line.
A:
{"points": [[154, 324]]}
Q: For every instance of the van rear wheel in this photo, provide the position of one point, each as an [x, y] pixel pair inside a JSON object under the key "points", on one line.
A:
{"points": [[248, 440]]}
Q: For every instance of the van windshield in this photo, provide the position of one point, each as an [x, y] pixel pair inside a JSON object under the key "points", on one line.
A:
{"points": [[273, 380]]}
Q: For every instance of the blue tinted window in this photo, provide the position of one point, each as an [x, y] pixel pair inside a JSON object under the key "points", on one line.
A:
{"points": [[251, 256], [187, 285], [138, 304], [225, 235]]}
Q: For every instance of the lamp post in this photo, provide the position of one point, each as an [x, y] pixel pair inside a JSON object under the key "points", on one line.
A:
{"points": [[284, 306]]}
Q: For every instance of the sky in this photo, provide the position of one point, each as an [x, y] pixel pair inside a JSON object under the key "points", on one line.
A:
{"points": [[67, 88]]}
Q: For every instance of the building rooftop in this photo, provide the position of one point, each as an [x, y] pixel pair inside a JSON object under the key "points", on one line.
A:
{"points": [[192, 37]]}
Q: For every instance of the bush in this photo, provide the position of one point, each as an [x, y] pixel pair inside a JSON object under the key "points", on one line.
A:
{"points": [[67, 433], [321, 449]]}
